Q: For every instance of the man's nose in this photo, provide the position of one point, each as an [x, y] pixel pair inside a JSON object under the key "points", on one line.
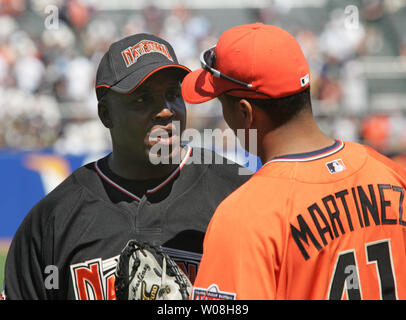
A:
{"points": [[165, 112]]}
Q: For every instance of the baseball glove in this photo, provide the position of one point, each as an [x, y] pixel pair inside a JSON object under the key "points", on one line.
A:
{"points": [[145, 272]]}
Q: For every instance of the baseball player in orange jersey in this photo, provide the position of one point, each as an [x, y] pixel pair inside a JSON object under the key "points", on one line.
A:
{"points": [[323, 218]]}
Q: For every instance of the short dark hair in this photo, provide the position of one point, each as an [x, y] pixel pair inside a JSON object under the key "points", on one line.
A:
{"points": [[280, 110]]}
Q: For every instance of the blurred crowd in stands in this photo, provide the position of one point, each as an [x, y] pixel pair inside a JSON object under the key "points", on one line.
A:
{"points": [[47, 98]]}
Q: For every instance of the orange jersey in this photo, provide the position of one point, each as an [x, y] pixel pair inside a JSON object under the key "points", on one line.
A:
{"points": [[329, 224]]}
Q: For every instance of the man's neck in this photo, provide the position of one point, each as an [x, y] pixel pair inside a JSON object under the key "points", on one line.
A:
{"points": [[299, 136]]}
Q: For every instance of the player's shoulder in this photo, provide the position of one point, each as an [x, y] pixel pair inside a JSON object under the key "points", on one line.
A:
{"points": [[383, 160], [253, 196], [219, 167], [251, 211], [376, 160], [66, 192], [63, 198], [57, 203]]}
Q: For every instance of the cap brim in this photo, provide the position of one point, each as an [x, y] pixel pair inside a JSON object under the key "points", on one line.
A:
{"points": [[201, 86], [197, 87], [136, 79]]}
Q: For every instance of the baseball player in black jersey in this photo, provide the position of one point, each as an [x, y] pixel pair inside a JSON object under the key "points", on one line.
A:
{"points": [[67, 246]]}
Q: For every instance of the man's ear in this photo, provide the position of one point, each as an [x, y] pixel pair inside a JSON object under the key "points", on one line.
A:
{"points": [[246, 110], [104, 114]]}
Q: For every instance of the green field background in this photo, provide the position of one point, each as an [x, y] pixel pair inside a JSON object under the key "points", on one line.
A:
{"points": [[2, 263], [3, 254]]}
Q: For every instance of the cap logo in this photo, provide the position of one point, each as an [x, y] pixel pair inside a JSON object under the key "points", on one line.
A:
{"points": [[304, 80], [133, 53]]}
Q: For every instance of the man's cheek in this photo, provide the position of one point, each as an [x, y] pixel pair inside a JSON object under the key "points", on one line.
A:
{"points": [[181, 115]]}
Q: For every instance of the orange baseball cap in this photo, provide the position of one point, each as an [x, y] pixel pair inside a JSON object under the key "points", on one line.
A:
{"points": [[252, 60]]}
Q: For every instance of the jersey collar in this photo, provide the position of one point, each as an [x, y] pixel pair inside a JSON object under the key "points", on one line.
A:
{"points": [[150, 191], [310, 156]]}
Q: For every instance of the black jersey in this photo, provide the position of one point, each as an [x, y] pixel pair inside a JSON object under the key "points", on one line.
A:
{"points": [[67, 246]]}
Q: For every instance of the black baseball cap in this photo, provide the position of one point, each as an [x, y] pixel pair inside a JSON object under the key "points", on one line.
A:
{"points": [[130, 61]]}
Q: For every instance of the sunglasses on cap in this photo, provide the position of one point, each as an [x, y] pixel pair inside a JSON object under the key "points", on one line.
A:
{"points": [[208, 60]]}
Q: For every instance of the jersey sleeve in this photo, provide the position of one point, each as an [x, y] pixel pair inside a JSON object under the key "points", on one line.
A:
{"points": [[24, 277], [237, 259]]}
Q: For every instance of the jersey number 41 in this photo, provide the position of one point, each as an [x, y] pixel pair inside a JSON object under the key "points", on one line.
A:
{"points": [[345, 277]]}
